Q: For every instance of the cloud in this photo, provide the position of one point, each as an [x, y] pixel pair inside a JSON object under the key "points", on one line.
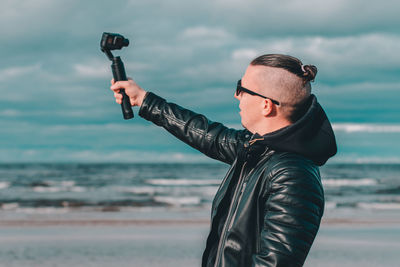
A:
{"points": [[12, 73], [205, 35], [93, 70], [244, 54], [368, 57], [260, 18], [204, 32], [10, 113]]}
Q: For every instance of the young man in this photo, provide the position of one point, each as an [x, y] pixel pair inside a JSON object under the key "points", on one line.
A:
{"points": [[268, 208]]}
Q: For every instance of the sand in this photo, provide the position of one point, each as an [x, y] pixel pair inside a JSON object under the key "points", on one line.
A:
{"points": [[112, 239]]}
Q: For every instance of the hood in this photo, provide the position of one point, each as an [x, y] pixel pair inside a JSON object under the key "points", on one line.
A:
{"points": [[311, 136]]}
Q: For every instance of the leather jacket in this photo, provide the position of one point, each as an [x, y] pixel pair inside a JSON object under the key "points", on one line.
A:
{"points": [[268, 208]]}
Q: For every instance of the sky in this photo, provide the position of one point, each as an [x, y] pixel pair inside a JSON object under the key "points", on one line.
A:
{"points": [[56, 106]]}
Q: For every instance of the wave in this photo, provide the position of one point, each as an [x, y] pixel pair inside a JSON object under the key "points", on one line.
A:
{"points": [[349, 182], [42, 210], [366, 127], [183, 182], [138, 190], [379, 206], [4, 185], [55, 189], [207, 190], [330, 205], [178, 201], [363, 205], [56, 186], [9, 206], [358, 159], [115, 204]]}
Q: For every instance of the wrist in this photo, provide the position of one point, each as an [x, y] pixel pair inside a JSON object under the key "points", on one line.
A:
{"points": [[141, 97]]}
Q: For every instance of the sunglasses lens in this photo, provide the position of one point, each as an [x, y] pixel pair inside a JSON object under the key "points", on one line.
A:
{"points": [[238, 90]]}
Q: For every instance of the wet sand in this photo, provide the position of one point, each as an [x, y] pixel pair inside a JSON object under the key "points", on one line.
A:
{"points": [[172, 240]]}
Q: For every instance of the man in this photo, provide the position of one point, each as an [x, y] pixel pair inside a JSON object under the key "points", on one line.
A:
{"points": [[268, 208]]}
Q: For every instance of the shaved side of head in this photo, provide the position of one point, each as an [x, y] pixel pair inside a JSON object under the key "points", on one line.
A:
{"points": [[285, 79], [283, 85]]}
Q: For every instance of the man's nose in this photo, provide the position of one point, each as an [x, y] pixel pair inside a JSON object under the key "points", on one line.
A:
{"points": [[238, 97]]}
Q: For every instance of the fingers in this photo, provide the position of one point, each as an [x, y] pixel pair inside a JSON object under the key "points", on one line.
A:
{"points": [[133, 91], [113, 81], [116, 86], [118, 98]]}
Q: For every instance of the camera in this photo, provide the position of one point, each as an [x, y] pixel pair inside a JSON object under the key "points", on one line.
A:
{"points": [[113, 41]]}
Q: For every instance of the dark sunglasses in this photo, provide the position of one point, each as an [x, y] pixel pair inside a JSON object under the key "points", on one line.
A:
{"points": [[240, 89]]}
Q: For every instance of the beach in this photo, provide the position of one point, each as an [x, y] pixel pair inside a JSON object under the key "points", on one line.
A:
{"points": [[176, 238]]}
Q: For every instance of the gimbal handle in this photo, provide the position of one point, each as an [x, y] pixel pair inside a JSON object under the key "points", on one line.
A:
{"points": [[118, 71]]}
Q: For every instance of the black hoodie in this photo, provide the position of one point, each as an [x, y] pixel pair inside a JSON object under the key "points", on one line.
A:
{"points": [[311, 136]]}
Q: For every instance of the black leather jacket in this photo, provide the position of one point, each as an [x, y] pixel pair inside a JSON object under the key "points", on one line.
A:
{"points": [[268, 208]]}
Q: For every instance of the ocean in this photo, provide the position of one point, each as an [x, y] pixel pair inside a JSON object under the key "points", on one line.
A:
{"points": [[63, 188]]}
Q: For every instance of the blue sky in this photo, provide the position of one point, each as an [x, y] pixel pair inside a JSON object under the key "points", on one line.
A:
{"points": [[56, 104]]}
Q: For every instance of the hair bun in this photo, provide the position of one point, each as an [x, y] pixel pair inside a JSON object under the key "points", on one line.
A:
{"points": [[309, 72]]}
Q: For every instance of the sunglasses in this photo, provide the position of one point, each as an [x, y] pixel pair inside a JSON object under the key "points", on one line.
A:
{"points": [[240, 89]]}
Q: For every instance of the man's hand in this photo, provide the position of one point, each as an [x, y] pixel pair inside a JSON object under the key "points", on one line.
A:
{"points": [[135, 92]]}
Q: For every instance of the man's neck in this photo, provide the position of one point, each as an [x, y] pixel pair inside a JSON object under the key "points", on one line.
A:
{"points": [[271, 126]]}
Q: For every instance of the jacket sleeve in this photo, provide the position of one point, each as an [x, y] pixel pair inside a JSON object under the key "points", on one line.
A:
{"points": [[292, 215], [211, 138]]}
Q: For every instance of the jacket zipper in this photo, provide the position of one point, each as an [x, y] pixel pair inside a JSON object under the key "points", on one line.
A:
{"points": [[229, 217], [237, 205], [220, 197]]}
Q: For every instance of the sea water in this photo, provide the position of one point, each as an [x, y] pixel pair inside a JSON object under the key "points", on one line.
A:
{"points": [[62, 188]]}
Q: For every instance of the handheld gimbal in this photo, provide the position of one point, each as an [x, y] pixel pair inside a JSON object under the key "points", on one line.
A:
{"points": [[112, 41]]}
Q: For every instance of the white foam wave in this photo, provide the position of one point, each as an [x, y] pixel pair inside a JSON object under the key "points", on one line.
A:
{"points": [[46, 189], [210, 191], [205, 191], [9, 206], [366, 127], [366, 205], [77, 189], [148, 190], [43, 210], [4, 185], [330, 205], [178, 201], [180, 182], [67, 183], [58, 186], [379, 206], [358, 159], [55, 189], [349, 182]]}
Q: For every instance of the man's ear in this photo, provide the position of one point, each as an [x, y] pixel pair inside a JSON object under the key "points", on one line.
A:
{"points": [[267, 107]]}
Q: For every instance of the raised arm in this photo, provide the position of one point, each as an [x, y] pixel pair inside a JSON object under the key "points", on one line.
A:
{"points": [[211, 138]]}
